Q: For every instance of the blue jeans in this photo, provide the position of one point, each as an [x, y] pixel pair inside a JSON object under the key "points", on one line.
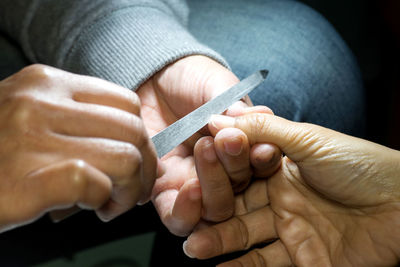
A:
{"points": [[313, 74]]}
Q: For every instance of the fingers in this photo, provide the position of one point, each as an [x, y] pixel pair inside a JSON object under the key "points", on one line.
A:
{"points": [[119, 120], [265, 159], [126, 193], [59, 185], [100, 92], [273, 255], [234, 152], [233, 148], [240, 108], [295, 139], [238, 233], [176, 197], [90, 120], [58, 116], [217, 194], [180, 210], [70, 182], [59, 215], [254, 198], [122, 162]]}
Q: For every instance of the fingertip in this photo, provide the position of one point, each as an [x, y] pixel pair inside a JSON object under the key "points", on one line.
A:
{"points": [[207, 149], [161, 169], [231, 140], [180, 211], [143, 202], [194, 190], [105, 185], [236, 109], [232, 146], [186, 250], [262, 154], [202, 244], [110, 211], [186, 212], [265, 159], [258, 109], [219, 122], [57, 216], [240, 109]]}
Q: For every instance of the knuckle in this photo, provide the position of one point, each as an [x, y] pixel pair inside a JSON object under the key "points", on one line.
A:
{"points": [[22, 110], [77, 169], [130, 160], [134, 101], [256, 125], [131, 128], [140, 137], [38, 72], [219, 214], [241, 228], [32, 76], [257, 258]]}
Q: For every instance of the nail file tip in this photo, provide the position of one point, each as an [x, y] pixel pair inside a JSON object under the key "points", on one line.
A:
{"points": [[264, 73]]}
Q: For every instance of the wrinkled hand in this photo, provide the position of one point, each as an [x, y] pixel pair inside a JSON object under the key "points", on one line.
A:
{"points": [[167, 96], [70, 140], [335, 201]]}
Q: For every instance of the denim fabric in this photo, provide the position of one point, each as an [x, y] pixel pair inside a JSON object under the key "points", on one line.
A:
{"points": [[313, 74]]}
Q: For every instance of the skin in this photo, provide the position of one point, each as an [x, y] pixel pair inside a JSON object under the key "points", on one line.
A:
{"points": [[82, 145], [169, 95], [335, 201], [70, 141]]}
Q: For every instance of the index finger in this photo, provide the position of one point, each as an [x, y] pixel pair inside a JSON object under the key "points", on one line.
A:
{"points": [[87, 89]]}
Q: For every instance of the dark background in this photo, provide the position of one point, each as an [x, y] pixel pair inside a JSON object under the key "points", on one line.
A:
{"points": [[371, 29]]}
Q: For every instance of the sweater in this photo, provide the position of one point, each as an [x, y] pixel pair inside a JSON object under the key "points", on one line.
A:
{"points": [[122, 41]]}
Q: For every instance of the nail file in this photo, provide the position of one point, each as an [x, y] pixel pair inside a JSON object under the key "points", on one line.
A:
{"points": [[182, 129]]}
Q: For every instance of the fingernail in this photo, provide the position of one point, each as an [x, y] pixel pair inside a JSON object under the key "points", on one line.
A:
{"points": [[234, 146], [195, 189], [237, 109], [209, 152], [219, 121], [258, 109], [185, 250], [143, 202]]}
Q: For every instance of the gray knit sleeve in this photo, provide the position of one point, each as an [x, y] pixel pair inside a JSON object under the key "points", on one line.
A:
{"points": [[123, 41]]}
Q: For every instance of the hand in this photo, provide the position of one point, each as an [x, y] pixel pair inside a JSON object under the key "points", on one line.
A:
{"points": [[334, 202], [70, 140], [167, 96]]}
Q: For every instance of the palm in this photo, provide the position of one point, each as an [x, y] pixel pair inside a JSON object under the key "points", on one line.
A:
{"points": [[166, 97], [318, 232], [159, 111], [335, 202]]}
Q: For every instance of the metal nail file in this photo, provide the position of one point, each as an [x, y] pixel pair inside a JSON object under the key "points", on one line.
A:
{"points": [[179, 131]]}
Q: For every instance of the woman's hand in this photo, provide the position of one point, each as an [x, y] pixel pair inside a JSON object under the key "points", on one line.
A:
{"points": [[335, 201], [70, 140], [169, 95]]}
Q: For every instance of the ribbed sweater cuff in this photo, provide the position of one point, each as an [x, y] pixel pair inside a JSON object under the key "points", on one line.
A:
{"points": [[130, 45]]}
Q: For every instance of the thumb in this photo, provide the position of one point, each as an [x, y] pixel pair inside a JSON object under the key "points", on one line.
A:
{"points": [[297, 140]]}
